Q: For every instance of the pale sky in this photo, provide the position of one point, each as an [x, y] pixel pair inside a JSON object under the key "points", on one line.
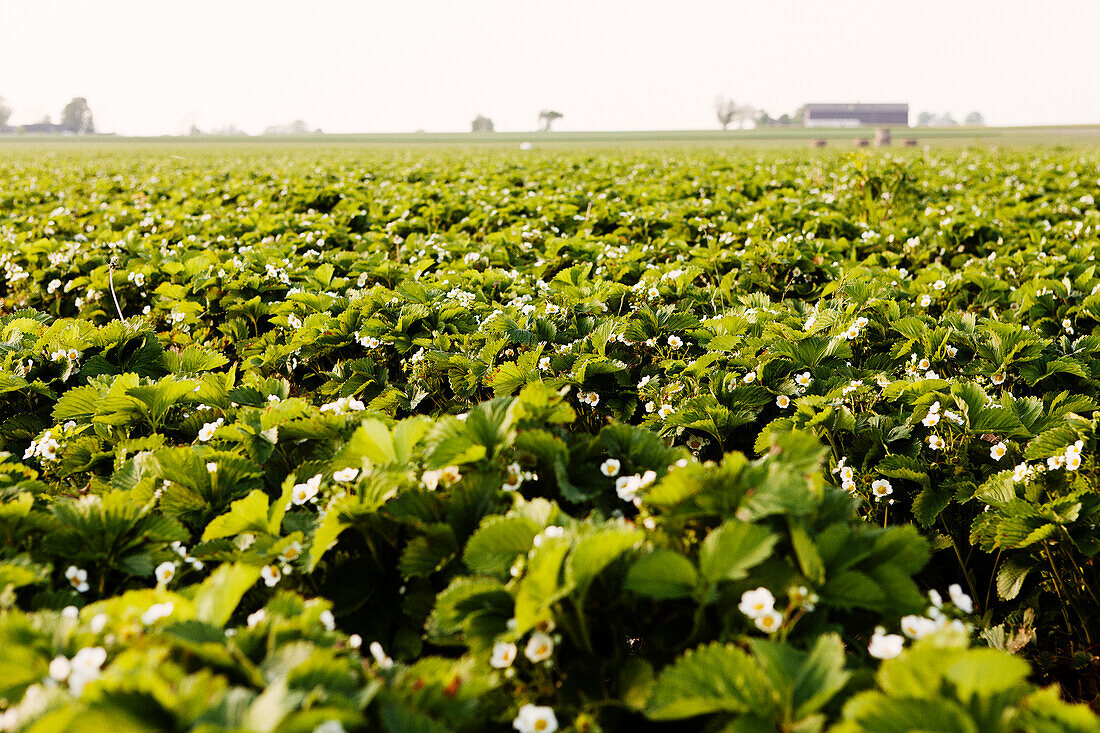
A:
{"points": [[157, 66]]}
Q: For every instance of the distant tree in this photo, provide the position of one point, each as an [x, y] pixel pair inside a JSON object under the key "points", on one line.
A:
{"points": [[946, 120], [975, 118], [726, 109], [195, 131], [799, 116], [547, 117], [924, 119], [784, 119], [298, 127], [763, 119], [481, 123], [77, 117], [743, 114], [5, 114]]}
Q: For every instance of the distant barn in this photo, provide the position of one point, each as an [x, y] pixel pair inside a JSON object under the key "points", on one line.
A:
{"points": [[856, 115]]}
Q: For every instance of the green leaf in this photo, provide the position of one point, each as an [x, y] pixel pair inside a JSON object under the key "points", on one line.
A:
{"points": [[218, 595], [494, 547], [245, 515], [717, 678], [662, 574], [732, 549], [595, 551]]}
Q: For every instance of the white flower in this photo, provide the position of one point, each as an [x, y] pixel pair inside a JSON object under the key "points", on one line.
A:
{"points": [[165, 572], [650, 406], [665, 411], [271, 575], [60, 668], [756, 603], [998, 451], [1073, 461], [348, 474], [504, 653], [610, 467], [675, 341], [307, 491], [211, 467], [380, 656], [85, 668], [804, 379], [939, 285], [355, 641], [535, 719], [77, 577], [1055, 462], [931, 419], [1020, 472], [961, 600], [769, 622], [998, 378], [330, 726], [156, 612], [291, 552], [544, 363], [885, 646], [256, 618], [98, 622], [327, 620], [847, 473], [951, 350], [935, 442], [954, 417], [293, 321], [749, 378], [925, 301], [208, 430], [881, 488], [917, 627], [539, 647], [627, 487], [783, 401]]}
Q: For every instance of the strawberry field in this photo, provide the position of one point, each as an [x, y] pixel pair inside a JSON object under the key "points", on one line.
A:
{"points": [[302, 439]]}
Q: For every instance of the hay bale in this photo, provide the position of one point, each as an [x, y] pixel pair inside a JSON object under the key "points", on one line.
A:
{"points": [[818, 142], [861, 142], [882, 137]]}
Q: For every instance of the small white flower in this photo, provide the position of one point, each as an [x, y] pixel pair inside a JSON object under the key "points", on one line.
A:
{"points": [[769, 622], [327, 620], [1073, 461], [885, 646], [610, 467], [165, 572], [535, 719], [540, 646], [935, 442], [675, 341], [917, 627], [1055, 462], [998, 378], [256, 618], [60, 668], [925, 301], [951, 350], [804, 379], [208, 430], [330, 726], [293, 321], [380, 656], [961, 600], [78, 578], [544, 363], [211, 467], [347, 474], [665, 411], [291, 552], [756, 603], [749, 378], [156, 612], [271, 575], [504, 653], [783, 401], [650, 406], [998, 451], [307, 491], [881, 488], [931, 420]]}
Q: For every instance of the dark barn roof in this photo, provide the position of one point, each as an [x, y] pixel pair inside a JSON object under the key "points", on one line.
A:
{"points": [[857, 114]]}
